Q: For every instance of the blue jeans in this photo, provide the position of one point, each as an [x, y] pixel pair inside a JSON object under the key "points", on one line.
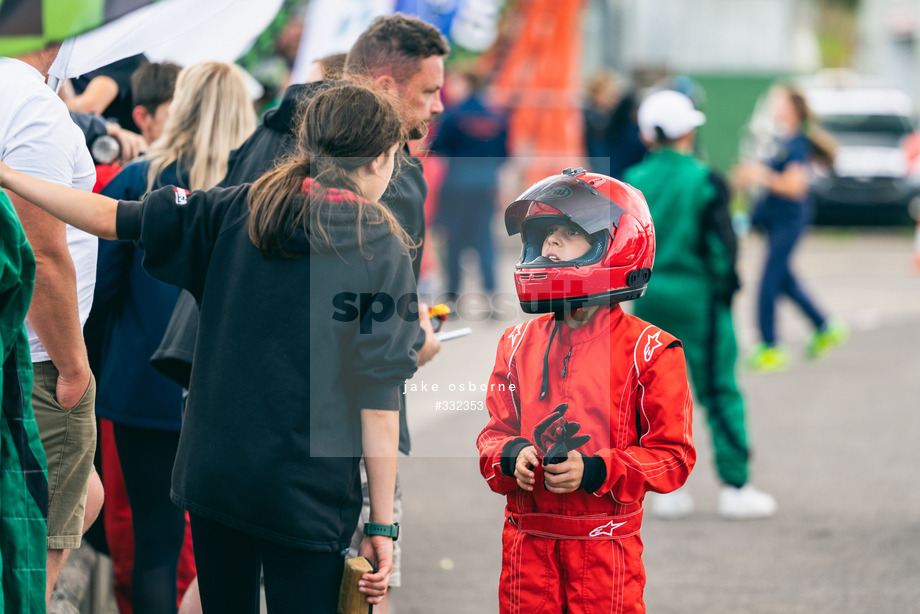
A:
{"points": [[778, 279]]}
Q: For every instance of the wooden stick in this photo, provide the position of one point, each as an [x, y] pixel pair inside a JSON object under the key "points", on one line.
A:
{"points": [[350, 600]]}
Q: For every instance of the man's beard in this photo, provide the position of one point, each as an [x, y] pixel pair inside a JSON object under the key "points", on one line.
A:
{"points": [[419, 131]]}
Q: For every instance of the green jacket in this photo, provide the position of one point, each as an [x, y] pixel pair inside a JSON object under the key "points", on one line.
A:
{"points": [[695, 244], [23, 480]]}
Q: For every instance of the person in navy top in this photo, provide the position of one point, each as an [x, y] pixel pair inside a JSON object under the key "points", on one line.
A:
{"points": [[783, 212]]}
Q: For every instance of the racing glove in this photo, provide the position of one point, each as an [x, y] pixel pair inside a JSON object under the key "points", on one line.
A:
{"points": [[555, 436]]}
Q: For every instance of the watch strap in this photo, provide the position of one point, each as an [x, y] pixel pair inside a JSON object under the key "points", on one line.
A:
{"points": [[389, 530]]}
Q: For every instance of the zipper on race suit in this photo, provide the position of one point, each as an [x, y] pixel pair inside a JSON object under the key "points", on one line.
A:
{"points": [[565, 363]]}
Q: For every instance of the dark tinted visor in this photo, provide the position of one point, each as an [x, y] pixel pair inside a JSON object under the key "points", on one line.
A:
{"points": [[586, 207]]}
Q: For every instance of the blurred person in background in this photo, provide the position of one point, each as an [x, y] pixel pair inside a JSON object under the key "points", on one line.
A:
{"points": [[38, 136], [147, 114], [130, 144], [783, 211], [210, 115], [603, 94], [107, 91], [691, 298], [328, 68], [611, 132], [152, 87], [473, 138], [272, 55]]}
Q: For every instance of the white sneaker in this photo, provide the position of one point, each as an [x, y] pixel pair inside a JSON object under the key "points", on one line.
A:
{"points": [[745, 503], [672, 505]]}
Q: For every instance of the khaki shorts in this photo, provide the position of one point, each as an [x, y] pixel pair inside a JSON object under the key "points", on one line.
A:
{"points": [[69, 439], [395, 577]]}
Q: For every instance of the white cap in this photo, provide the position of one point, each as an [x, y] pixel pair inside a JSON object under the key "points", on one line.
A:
{"points": [[671, 111]]}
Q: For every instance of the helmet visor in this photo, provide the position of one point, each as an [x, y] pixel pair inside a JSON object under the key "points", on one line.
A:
{"points": [[569, 196]]}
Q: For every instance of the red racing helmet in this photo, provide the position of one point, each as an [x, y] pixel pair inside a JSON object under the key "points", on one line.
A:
{"points": [[617, 266]]}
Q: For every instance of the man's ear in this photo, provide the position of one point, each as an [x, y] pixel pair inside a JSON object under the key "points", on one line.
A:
{"points": [[141, 117], [384, 83]]}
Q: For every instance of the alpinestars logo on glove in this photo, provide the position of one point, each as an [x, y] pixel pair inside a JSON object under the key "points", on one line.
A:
{"points": [[606, 529]]}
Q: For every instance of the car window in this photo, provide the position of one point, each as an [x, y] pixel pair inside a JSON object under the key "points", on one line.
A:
{"points": [[894, 125]]}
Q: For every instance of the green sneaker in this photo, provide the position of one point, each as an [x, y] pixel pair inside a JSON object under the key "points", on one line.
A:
{"points": [[768, 358], [822, 341]]}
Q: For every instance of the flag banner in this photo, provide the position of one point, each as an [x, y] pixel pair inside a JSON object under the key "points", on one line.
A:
{"points": [[332, 26], [29, 25], [438, 13], [474, 27], [184, 31], [469, 24]]}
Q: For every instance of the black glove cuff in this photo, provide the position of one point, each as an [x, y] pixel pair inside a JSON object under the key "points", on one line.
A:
{"points": [[594, 474], [510, 453]]}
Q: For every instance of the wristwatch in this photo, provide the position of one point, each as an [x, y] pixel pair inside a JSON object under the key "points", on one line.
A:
{"points": [[389, 530]]}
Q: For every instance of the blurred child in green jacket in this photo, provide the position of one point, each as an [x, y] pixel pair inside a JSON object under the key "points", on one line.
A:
{"points": [[692, 294]]}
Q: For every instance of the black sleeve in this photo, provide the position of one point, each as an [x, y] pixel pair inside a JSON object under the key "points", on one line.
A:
{"points": [[510, 453], [177, 349], [595, 473], [384, 354], [717, 226], [177, 230]]}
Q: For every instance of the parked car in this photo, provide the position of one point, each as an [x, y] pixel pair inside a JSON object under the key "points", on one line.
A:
{"points": [[876, 177]]}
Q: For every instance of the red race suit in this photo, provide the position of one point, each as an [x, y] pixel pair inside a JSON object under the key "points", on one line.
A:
{"points": [[625, 383]]}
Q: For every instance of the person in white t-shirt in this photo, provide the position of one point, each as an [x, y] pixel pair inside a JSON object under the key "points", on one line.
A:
{"points": [[37, 136]]}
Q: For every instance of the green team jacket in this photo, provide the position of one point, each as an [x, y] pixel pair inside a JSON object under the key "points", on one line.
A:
{"points": [[23, 469], [695, 244]]}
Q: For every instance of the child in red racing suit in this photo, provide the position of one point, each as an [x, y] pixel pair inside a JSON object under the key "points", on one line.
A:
{"points": [[590, 377]]}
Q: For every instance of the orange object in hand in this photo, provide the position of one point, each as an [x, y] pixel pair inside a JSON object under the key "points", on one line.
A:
{"points": [[439, 311]]}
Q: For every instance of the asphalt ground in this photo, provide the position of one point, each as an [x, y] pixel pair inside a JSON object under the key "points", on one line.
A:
{"points": [[837, 442]]}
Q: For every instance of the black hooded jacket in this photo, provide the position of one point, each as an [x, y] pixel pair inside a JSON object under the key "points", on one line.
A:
{"points": [[271, 436]]}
